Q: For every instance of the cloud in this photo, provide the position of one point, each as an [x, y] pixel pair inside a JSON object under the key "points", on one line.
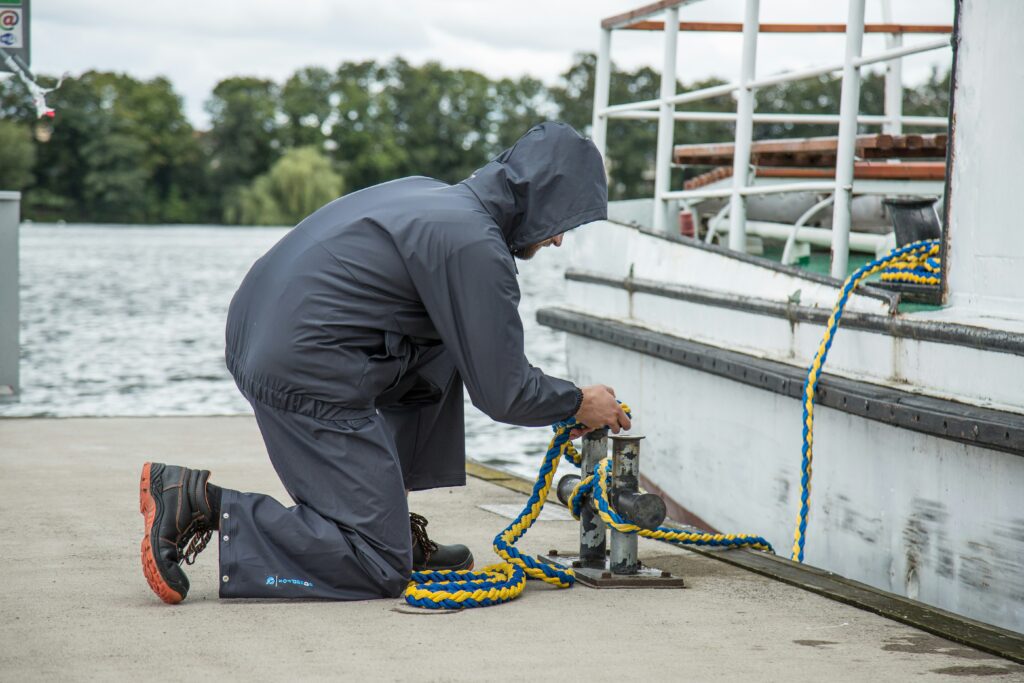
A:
{"points": [[295, 25], [196, 44]]}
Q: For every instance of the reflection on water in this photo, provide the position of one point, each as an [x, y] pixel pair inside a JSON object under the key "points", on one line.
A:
{"points": [[130, 321]]}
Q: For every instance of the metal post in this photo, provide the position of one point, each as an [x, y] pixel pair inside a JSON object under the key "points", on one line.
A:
{"points": [[894, 89], [625, 479], [602, 85], [593, 536], [893, 78], [666, 123], [744, 129], [10, 217], [849, 104], [593, 567]]}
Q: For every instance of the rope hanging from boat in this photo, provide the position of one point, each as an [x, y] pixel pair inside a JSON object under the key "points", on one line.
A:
{"points": [[917, 262], [505, 580]]}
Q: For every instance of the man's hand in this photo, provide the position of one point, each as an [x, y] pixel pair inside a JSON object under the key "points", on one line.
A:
{"points": [[578, 432], [599, 409]]}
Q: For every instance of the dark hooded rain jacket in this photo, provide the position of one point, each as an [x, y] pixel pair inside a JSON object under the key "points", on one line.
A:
{"points": [[341, 309]]}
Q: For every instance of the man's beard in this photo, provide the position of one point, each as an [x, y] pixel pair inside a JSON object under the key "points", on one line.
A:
{"points": [[526, 253]]}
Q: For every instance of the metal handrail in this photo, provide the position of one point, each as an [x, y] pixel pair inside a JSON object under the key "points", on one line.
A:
{"points": [[824, 119], [626, 18], [749, 190], [785, 77], [663, 109]]}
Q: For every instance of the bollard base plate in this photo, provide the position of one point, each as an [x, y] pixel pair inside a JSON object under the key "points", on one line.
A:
{"points": [[602, 577]]}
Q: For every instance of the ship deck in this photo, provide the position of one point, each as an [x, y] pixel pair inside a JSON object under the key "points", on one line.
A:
{"points": [[75, 604]]}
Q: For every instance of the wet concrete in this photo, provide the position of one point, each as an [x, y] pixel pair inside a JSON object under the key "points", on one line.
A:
{"points": [[74, 604]]}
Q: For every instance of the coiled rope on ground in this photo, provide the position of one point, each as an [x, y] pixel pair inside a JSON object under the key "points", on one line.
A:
{"points": [[505, 580], [918, 263]]}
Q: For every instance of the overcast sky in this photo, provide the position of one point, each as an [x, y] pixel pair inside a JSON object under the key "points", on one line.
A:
{"points": [[196, 44]]}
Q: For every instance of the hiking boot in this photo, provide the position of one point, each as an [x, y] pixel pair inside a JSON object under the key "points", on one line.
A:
{"points": [[179, 522], [428, 556]]}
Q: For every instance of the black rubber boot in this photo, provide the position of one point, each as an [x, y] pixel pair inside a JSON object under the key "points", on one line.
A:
{"points": [[180, 519], [428, 556]]}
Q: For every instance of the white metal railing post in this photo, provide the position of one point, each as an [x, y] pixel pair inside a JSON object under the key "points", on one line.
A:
{"points": [[894, 88], [893, 78], [849, 105], [602, 85], [666, 123], [10, 217], [744, 128]]}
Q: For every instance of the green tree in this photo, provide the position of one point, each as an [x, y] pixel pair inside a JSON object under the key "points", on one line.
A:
{"points": [[95, 158], [176, 187], [439, 117], [931, 98], [819, 95], [17, 155], [631, 143], [120, 150], [306, 105], [300, 182], [517, 105], [243, 140], [364, 145], [397, 119]]}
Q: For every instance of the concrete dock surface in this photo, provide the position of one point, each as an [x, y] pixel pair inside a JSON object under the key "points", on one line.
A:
{"points": [[75, 606]]}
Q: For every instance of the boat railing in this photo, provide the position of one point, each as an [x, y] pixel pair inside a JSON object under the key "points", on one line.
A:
{"points": [[664, 109]]}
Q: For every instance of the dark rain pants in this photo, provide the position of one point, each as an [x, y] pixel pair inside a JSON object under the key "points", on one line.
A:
{"points": [[347, 537]]}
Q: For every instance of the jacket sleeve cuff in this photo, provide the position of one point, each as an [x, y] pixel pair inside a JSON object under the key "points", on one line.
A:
{"points": [[579, 403]]}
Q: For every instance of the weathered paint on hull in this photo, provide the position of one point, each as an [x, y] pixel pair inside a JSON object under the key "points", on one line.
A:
{"points": [[935, 520]]}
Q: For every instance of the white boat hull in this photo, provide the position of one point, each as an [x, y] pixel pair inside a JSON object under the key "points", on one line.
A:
{"points": [[925, 517]]}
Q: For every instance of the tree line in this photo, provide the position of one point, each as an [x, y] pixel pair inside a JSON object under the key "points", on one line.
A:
{"points": [[122, 150]]}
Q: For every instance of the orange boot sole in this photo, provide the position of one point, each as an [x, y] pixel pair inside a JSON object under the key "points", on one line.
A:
{"points": [[147, 506]]}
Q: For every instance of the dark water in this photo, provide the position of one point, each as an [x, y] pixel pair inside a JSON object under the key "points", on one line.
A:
{"points": [[130, 321]]}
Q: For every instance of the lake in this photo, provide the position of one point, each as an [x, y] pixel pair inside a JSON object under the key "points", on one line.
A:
{"points": [[129, 320]]}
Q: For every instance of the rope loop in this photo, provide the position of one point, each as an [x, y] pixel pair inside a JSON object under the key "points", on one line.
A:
{"points": [[918, 263]]}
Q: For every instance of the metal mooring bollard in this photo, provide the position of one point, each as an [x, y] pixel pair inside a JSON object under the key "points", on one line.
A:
{"points": [[593, 531], [625, 480], [593, 542], [643, 509], [620, 567]]}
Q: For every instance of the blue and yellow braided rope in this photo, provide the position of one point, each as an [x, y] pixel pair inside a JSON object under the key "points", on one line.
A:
{"points": [[505, 580], [596, 484], [917, 263], [919, 267]]}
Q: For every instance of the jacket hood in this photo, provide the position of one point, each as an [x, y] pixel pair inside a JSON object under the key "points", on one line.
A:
{"points": [[551, 180]]}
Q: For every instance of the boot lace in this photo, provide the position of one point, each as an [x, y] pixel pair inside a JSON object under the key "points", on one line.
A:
{"points": [[419, 535], [193, 540]]}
